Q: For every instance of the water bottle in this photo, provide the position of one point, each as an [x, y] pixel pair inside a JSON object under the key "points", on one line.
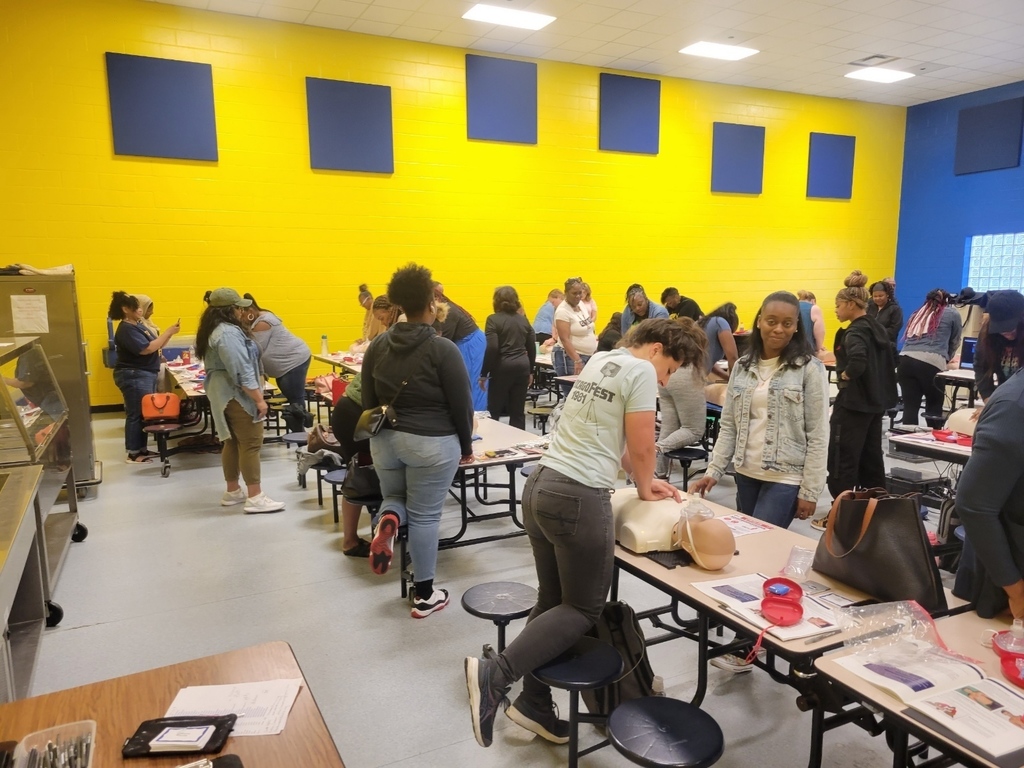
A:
{"points": [[658, 686], [324, 349], [191, 353]]}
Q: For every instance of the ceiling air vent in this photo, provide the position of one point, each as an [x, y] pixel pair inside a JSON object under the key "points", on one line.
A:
{"points": [[873, 60]]}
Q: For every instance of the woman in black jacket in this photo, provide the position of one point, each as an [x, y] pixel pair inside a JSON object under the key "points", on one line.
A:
{"points": [[422, 378], [867, 387], [884, 308], [509, 359]]}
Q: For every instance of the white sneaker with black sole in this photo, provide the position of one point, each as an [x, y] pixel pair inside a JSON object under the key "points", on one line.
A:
{"points": [[256, 505], [230, 498], [436, 602]]}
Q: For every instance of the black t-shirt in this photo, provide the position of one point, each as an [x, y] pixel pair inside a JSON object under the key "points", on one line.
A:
{"points": [[511, 341], [457, 325], [129, 341], [687, 307]]}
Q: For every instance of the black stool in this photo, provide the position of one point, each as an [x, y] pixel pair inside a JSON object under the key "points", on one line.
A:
{"points": [[501, 602], [589, 664], [161, 432], [298, 439], [540, 415], [335, 479], [665, 733], [685, 457]]}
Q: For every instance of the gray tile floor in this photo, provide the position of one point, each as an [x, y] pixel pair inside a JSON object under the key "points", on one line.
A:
{"points": [[167, 575]]}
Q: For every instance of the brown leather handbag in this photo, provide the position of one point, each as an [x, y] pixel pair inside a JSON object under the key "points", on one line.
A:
{"points": [[877, 543]]}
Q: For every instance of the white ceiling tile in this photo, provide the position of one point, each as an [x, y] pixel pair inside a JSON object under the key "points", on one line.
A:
{"points": [[367, 27], [329, 20], [806, 45], [280, 13], [454, 39], [243, 7], [341, 7], [639, 39], [629, 20], [602, 33]]}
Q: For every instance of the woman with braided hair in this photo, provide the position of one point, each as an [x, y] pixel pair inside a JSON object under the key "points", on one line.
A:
{"points": [[931, 339]]}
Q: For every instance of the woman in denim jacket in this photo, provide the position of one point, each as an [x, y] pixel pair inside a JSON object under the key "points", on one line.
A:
{"points": [[774, 424], [235, 391]]}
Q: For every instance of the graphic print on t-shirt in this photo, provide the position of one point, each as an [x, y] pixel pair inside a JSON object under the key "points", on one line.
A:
{"points": [[587, 393]]}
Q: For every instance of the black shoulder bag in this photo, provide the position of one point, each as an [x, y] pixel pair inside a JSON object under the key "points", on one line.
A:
{"points": [[371, 420]]}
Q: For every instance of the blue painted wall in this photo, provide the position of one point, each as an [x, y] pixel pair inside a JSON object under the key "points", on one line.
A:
{"points": [[938, 210]]}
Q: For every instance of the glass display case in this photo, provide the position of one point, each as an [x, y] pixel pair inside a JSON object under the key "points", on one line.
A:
{"points": [[34, 431]]}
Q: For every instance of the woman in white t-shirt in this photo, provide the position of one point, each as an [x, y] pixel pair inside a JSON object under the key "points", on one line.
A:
{"points": [[607, 423], [577, 340], [774, 425]]}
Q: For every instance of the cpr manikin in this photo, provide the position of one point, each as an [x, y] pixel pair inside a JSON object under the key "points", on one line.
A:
{"points": [[707, 540]]}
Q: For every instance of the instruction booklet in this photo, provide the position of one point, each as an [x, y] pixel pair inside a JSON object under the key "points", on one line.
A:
{"points": [[947, 689]]}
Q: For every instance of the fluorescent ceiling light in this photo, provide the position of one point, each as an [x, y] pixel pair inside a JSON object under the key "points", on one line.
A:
{"points": [[879, 75], [719, 51], [507, 17]]}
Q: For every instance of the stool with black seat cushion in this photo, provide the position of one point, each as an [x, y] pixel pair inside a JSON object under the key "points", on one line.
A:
{"points": [[335, 479], [500, 602], [589, 664], [660, 732], [685, 457], [161, 432]]}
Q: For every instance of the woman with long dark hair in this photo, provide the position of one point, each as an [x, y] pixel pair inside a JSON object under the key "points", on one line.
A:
{"points": [[1000, 352], [719, 325], [284, 356], [884, 309], [138, 364], [567, 514], [774, 425], [460, 327], [931, 339], [508, 362], [235, 391]]}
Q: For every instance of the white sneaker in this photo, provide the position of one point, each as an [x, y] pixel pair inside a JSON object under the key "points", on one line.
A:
{"points": [[230, 498], [735, 664], [256, 505]]}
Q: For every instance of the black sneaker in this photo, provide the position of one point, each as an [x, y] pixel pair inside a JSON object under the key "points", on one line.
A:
{"points": [[484, 697], [543, 722]]}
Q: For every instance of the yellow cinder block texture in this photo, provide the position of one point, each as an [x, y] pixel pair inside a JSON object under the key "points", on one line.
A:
{"points": [[480, 214]]}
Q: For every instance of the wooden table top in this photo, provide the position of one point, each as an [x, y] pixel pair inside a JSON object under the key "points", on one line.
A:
{"points": [[118, 706]]}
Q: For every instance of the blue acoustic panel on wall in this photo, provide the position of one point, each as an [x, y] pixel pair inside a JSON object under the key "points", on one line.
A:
{"points": [[501, 99], [349, 126], [737, 158], [630, 114], [161, 107], [830, 166], [988, 137]]}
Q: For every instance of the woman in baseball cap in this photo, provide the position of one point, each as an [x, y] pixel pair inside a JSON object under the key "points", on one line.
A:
{"points": [[1000, 341]]}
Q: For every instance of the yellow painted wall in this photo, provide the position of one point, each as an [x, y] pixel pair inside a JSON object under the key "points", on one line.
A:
{"points": [[479, 214]]}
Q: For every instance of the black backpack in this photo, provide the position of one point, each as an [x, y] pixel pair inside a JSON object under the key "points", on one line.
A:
{"points": [[619, 627]]}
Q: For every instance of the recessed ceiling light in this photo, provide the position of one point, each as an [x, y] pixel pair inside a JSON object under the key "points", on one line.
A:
{"points": [[507, 17], [879, 75], [719, 51]]}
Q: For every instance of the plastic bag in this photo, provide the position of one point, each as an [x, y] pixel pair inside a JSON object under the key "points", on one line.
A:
{"points": [[886, 624]]}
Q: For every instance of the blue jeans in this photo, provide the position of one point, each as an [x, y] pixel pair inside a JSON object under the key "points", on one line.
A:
{"points": [[774, 503], [293, 386], [134, 383], [415, 473], [564, 366]]}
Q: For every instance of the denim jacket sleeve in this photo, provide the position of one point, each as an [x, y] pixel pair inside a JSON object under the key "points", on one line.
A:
{"points": [[816, 424], [239, 363], [725, 443]]}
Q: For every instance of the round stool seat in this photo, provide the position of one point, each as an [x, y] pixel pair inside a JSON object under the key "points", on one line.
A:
{"points": [[960, 533], [540, 410], [499, 600], [661, 732], [337, 477], [295, 438], [687, 454], [591, 663], [528, 469]]}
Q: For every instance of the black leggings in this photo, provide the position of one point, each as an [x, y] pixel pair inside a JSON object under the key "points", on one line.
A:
{"points": [[917, 381], [506, 392]]}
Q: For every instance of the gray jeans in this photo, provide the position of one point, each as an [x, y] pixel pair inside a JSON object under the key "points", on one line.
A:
{"points": [[573, 539]]}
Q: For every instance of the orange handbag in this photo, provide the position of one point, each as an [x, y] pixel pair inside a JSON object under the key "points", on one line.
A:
{"points": [[162, 406]]}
